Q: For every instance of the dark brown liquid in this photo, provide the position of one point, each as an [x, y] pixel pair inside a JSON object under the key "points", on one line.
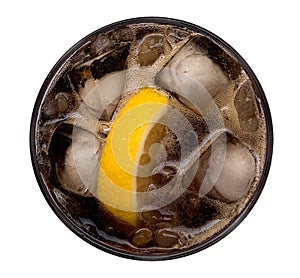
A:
{"points": [[189, 220]]}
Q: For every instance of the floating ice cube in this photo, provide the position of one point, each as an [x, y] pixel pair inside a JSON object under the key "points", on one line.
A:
{"points": [[192, 66], [234, 178], [104, 42], [101, 96], [175, 34], [238, 170], [80, 168], [59, 104], [150, 49], [245, 105]]}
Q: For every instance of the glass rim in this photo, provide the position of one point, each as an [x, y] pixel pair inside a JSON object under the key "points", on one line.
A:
{"points": [[216, 237]]}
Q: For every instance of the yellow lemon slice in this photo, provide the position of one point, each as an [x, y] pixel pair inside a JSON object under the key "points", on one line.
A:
{"points": [[133, 131]]}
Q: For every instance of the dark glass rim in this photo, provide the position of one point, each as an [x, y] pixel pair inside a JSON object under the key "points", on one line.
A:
{"points": [[215, 238]]}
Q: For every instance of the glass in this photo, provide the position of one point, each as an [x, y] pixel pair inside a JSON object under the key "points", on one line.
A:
{"points": [[151, 138]]}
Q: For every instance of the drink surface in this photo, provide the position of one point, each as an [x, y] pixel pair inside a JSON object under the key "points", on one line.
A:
{"points": [[151, 138]]}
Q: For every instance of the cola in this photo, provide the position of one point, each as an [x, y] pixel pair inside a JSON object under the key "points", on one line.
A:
{"points": [[209, 149]]}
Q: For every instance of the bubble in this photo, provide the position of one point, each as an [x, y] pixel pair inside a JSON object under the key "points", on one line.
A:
{"points": [[142, 237], [166, 238]]}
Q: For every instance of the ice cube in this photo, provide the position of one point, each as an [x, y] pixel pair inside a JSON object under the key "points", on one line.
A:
{"points": [[150, 49], [58, 104], [104, 42], [80, 167], [233, 180], [192, 61], [101, 95], [175, 34], [246, 107], [100, 44], [238, 170]]}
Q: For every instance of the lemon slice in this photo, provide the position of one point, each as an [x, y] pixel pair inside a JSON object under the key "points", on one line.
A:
{"points": [[133, 131]]}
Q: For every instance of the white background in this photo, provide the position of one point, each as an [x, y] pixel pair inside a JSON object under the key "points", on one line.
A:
{"points": [[35, 34]]}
